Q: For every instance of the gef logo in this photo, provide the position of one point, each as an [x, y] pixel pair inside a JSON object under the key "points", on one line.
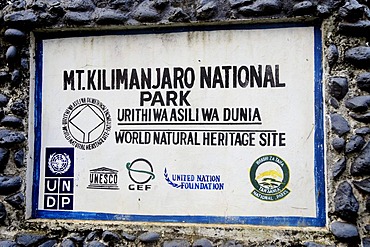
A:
{"points": [[59, 178], [140, 172]]}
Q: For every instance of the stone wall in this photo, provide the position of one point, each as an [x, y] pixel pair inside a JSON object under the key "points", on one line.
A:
{"points": [[346, 62]]}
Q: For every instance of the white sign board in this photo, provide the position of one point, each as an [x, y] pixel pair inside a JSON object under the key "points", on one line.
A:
{"points": [[216, 126]]}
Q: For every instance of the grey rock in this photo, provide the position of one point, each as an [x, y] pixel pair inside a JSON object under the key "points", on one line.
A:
{"points": [[9, 185], [100, 3], [78, 5], [363, 118], [29, 239], [339, 125], [16, 77], [313, 244], [24, 63], [262, 7], [367, 227], [3, 213], [109, 236], [16, 200], [303, 8], [146, 12], [4, 158], [149, 237], [338, 144], [110, 16], [344, 231], [73, 17], [339, 167], [351, 10], [203, 242], [77, 237], [367, 207], [363, 185], [176, 243], [8, 243], [334, 102], [323, 10], [20, 4], [11, 54], [359, 103], [232, 243], [9, 138], [346, 204], [160, 4], [67, 243], [178, 15], [94, 235], [49, 243], [14, 36], [39, 5], [338, 87], [365, 242], [3, 100], [21, 18], [362, 131], [128, 237], [207, 11], [11, 121], [124, 5], [48, 19], [332, 54], [18, 108], [354, 144], [95, 244], [19, 158], [361, 165], [363, 81], [359, 28], [4, 76], [239, 3], [358, 56]]}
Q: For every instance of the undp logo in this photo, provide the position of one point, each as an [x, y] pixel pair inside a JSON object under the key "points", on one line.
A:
{"points": [[86, 123]]}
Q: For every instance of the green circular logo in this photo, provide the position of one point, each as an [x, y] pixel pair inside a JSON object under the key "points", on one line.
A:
{"points": [[269, 176]]}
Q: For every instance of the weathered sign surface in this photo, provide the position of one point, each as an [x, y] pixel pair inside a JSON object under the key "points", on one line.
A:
{"points": [[204, 126]]}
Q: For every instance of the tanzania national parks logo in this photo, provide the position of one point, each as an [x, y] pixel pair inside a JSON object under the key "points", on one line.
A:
{"points": [[86, 123], [269, 175]]}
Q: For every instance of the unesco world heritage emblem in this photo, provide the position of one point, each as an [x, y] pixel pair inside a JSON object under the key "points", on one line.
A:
{"points": [[269, 176], [86, 123]]}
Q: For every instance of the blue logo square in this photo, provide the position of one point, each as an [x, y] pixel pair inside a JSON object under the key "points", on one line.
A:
{"points": [[59, 162]]}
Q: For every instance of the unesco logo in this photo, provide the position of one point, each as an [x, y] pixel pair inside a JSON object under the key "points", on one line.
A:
{"points": [[86, 123]]}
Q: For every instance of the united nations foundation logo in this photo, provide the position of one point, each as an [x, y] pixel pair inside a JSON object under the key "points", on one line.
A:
{"points": [[59, 163], [269, 175], [86, 123]]}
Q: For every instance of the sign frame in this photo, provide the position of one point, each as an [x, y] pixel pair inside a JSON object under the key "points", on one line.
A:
{"points": [[319, 161]]}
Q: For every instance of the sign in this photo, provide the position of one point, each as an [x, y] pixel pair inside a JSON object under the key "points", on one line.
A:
{"points": [[203, 125]]}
